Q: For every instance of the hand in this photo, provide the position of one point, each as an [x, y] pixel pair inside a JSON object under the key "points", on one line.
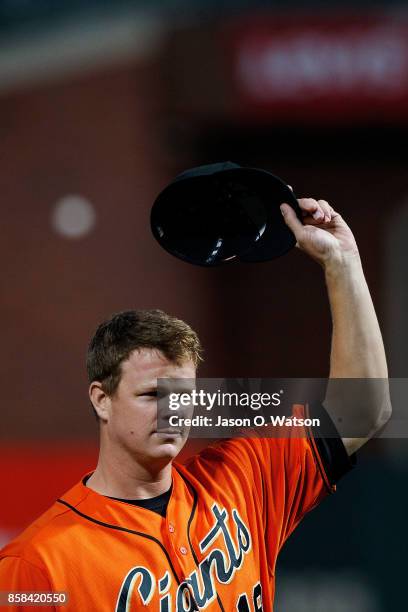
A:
{"points": [[324, 235]]}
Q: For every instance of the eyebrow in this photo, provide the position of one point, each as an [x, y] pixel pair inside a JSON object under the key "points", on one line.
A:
{"points": [[147, 388], [166, 385], [176, 387]]}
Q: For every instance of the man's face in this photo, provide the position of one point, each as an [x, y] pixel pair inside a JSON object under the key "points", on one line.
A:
{"points": [[132, 411]]}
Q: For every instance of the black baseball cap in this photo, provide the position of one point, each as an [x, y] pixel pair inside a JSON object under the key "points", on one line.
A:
{"points": [[221, 212]]}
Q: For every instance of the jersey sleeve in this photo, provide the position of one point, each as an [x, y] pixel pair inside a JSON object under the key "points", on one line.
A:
{"points": [[19, 575]]}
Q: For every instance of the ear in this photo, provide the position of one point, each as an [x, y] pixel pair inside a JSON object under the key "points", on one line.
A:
{"points": [[100, 400]]}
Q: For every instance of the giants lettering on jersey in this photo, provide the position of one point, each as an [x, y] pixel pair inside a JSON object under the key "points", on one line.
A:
{"points": [[198, 589]]}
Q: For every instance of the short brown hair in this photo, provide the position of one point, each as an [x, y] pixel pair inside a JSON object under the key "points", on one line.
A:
{"points": [[116, 338]]}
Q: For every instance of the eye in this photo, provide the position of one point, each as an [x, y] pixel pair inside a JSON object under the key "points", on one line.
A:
{"points": [[149, 393]]}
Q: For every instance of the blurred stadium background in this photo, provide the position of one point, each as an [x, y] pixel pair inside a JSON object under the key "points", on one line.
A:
{"points": [[102, 102]]}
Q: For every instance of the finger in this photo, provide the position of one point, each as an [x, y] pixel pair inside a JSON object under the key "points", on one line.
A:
{"points": [[312, 208], [291, 219], [326, 203], [327, 209]]}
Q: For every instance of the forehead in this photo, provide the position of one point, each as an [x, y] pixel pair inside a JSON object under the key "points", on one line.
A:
{"points": [[147, 365]]}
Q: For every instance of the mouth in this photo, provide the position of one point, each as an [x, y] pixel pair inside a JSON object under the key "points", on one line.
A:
{"points": [[168, 433]]}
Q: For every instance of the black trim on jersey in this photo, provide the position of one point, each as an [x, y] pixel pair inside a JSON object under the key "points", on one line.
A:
{"points": [[126, 530], [190, 520], [331, 449]]}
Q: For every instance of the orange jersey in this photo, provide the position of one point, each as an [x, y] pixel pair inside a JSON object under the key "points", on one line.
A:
{"points": [[231, 509]]}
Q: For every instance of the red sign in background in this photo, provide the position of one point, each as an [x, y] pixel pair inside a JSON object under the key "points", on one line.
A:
{"points": [[326, 68]]}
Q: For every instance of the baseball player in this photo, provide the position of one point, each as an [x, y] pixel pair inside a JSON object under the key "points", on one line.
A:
{"points": [[141, 532]]}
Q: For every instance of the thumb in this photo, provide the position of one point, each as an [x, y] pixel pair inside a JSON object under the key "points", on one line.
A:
{"points": [[291, 219]]}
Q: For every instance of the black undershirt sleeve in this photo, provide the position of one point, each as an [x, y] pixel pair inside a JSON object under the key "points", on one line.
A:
{"points": [[331, 449]]}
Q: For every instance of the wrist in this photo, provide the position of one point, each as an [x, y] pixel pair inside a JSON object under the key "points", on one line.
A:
{"points": [[340, 264]]}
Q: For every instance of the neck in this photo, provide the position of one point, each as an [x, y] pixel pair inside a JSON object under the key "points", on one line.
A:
{"points": [[119, 475]]}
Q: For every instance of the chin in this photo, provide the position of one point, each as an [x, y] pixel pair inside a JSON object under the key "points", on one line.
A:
{"points": [[168, 447], [167, 453]]}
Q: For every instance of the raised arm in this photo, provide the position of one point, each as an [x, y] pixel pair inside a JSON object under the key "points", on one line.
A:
{"points": [[357, 348]]}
